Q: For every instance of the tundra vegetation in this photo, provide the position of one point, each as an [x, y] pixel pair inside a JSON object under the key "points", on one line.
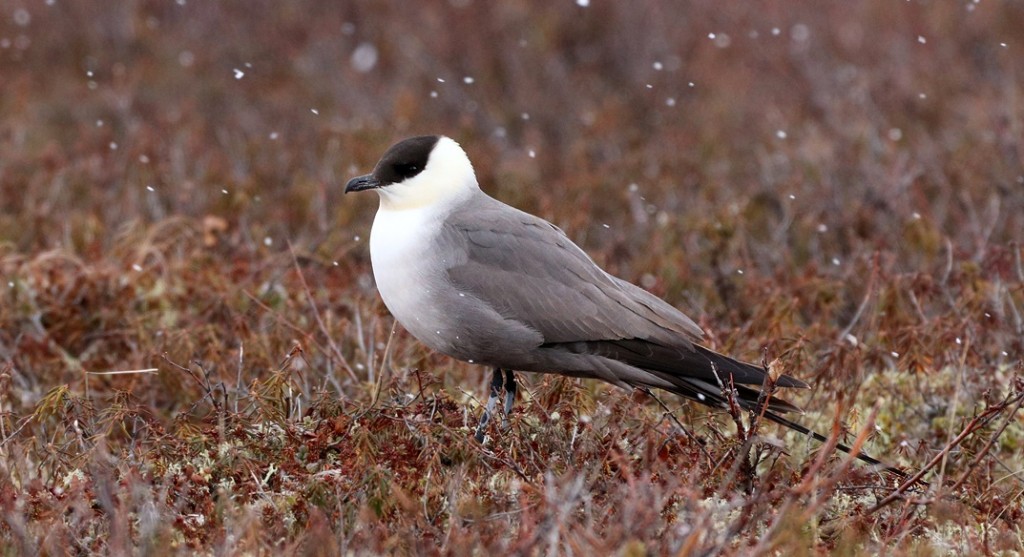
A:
{"points": [[834, 189]]}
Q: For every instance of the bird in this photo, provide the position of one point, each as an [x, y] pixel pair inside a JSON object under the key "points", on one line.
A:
{"points": [[483, 282]]}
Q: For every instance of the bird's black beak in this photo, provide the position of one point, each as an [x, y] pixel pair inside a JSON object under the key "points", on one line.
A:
{"points": [[360, 183]]}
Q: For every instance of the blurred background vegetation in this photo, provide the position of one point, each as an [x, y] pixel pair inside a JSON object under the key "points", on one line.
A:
{"points": [[839, 185]]}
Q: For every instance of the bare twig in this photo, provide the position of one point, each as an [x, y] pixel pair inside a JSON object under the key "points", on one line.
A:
{"points": [[123, 372], [24, 422], [864, 302], [316, 314], [980, 421], [988, 445], [204, 384], [672, 416], [238, 376], [383, 366], [733, 405]]}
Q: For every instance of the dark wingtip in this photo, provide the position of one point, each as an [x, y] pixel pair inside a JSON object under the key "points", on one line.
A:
{"points": [[779, 405], [791, 382]]}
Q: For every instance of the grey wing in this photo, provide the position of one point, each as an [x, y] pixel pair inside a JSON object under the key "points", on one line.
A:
{"points": [[529, 271]]}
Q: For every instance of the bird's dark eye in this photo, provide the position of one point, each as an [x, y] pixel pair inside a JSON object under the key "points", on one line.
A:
{"points": [[406, 170], [404, 160]]}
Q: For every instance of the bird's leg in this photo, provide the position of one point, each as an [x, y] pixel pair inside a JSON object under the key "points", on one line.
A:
{"points": [[510, 395], [492, 401]]}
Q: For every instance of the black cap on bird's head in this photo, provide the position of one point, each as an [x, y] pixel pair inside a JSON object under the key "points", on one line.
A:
{"points": [[402, 161]]}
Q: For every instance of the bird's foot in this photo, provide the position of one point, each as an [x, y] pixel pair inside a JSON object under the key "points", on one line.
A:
{"points": [[510, 397], [497, 382]]}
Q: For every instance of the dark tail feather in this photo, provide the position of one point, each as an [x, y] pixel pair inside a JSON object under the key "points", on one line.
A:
{"points": [[690, 361], [696, 372], [748, 398], [846, 449], [711, 394], [743, 372]]}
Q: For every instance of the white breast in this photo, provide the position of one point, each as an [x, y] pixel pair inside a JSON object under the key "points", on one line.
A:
{"points": [[406, 270]]}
